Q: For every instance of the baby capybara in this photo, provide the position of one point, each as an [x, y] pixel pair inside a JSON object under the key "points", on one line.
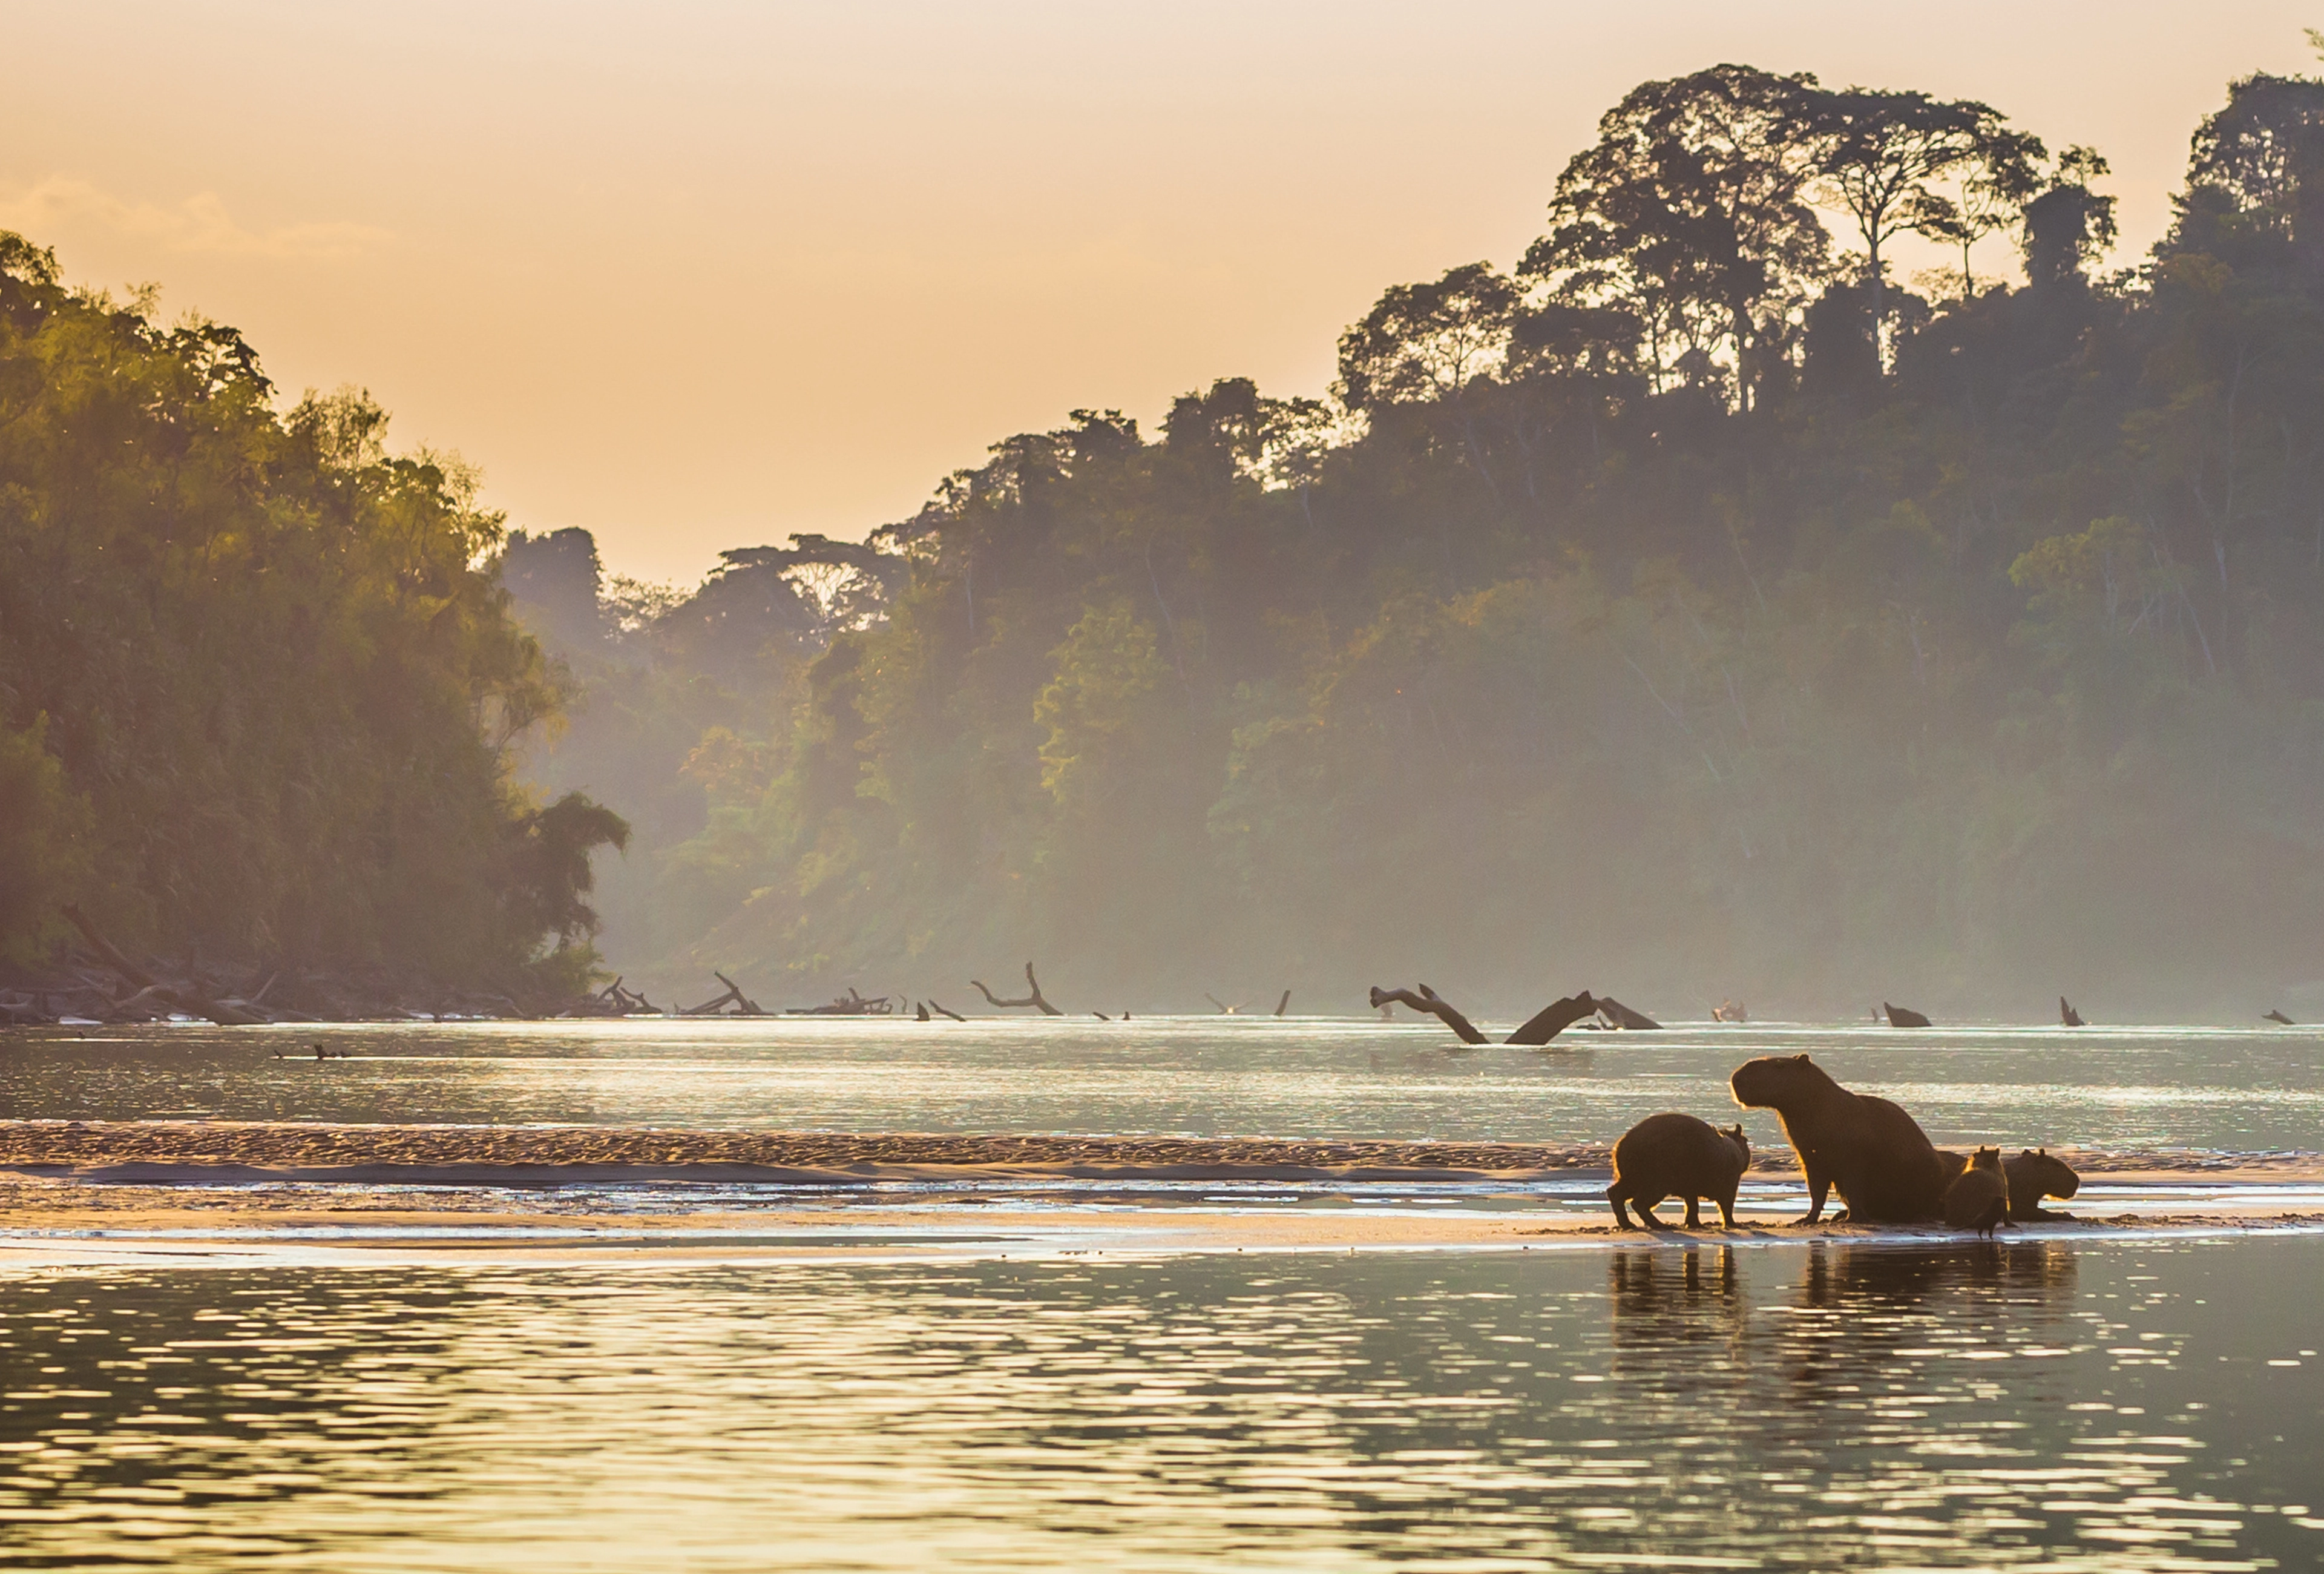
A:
{"points": [[1980, 1198], [1676, 1155], [2032, 1175]]}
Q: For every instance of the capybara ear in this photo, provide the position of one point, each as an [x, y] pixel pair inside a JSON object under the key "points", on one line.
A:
{"points": [[1801, 1058]]}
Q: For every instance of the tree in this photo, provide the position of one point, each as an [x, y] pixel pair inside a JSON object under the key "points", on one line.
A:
{"points": [[1879, 154], [1991, 195], [1422, 342], [1689, 216], [259, 685], [2068, 227], [2256, 167]]}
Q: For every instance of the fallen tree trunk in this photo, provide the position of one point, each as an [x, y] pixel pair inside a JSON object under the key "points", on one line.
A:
{"points": [[744, 1005], [1622, 1016], [1035, 999], [1904, 1016], [196, 1005], [940, 1011], [1428, 1003], [711, 1007], [1554, 1019]]}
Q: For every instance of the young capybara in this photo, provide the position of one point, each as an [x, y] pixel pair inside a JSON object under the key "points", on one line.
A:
{"points": [[2032, 1175], [1676, 1155], [1877, 1156], [1978, 1198]]}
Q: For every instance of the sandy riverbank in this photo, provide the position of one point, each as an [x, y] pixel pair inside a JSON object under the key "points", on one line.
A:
{"points": [[203, 1191], [502, 1155], [50, 1223]]}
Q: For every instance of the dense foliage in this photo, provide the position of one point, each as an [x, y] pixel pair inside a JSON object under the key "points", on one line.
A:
{"points": [[1696, 611], [257, 683]]}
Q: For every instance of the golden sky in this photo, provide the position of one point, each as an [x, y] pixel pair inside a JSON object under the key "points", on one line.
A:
{"points": [[698, 275]]}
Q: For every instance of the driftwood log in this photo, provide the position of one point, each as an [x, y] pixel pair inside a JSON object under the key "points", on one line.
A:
{"points": [[1428, 1003], [2067, 1016], [1904, 1016], [1281, 1003], [1554, 1018], [1537, 1030], [742, 1003], [226, 1014], [1036, 999], [1622, 1016], [938, 1006], [2279, 1019]]}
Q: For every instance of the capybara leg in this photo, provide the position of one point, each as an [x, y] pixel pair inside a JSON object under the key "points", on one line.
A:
{"points": [[1727, 1211], [1693, 1218], [1621, 1214], [1819, 1188], [1646, 1206]]}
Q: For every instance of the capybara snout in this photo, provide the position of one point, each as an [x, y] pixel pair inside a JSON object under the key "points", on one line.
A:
{"points": [[1677, 1155]]}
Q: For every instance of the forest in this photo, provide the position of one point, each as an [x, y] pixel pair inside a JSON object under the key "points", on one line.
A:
{"points": [[259, 686], [1694, 607], [1691, 607]]}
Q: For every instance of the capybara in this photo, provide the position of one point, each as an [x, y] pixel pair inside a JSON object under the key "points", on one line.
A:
{"points": [[1883, 1164], [1978, 1198], [1676, 1155], [2032, 1173]]}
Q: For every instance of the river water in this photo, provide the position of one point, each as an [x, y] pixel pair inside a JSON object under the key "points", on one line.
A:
{"points": [[2231, 1090], [2118, 1405], [960, 1394]]}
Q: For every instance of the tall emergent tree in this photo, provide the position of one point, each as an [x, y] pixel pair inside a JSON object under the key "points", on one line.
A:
{"points": [[1689, 215]]}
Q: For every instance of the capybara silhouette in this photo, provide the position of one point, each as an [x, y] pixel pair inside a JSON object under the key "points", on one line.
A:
{"points": [[1979, 1197], [1877, 1156], [1676, 1155], [2032, 1175]]}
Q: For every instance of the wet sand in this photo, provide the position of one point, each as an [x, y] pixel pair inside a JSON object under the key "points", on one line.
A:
{"points": [[209, 1192], [160, 1150]]}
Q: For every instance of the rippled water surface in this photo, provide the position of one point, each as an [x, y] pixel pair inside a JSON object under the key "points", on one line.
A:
{"points": [[2236, 1090], [2131, 1405]]}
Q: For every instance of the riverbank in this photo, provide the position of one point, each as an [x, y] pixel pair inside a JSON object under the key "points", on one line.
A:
{"points": [[210, 1190], [160, 1150]]}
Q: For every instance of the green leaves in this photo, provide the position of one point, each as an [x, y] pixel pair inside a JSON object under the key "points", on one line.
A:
{"points": [[279, 681]]}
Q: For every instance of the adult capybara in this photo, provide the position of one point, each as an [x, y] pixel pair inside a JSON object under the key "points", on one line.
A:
{"points": [[1676, 1155], [2032, 1173], [1978, 1198], [1879, 1156]]}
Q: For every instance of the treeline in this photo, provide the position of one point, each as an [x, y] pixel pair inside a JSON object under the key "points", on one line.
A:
{"points": [[258, 684], [1698, 609]]}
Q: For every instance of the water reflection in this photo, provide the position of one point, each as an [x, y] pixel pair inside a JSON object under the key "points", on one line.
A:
{"points": [[2099, 1406]]}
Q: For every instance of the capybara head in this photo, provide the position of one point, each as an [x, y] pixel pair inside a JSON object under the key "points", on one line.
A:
{"points": [[1985, 1159], [2056, 1177], [1772, 1080], [1741, 1144]]}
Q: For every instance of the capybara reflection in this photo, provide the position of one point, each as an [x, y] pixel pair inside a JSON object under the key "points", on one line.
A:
{"points": [[2033, 1173], [1883, 1164], [1676, 1155], [1978, 1198]]}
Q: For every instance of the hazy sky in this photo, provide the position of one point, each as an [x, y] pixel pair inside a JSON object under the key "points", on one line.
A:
{"points": [[698, 275]]}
